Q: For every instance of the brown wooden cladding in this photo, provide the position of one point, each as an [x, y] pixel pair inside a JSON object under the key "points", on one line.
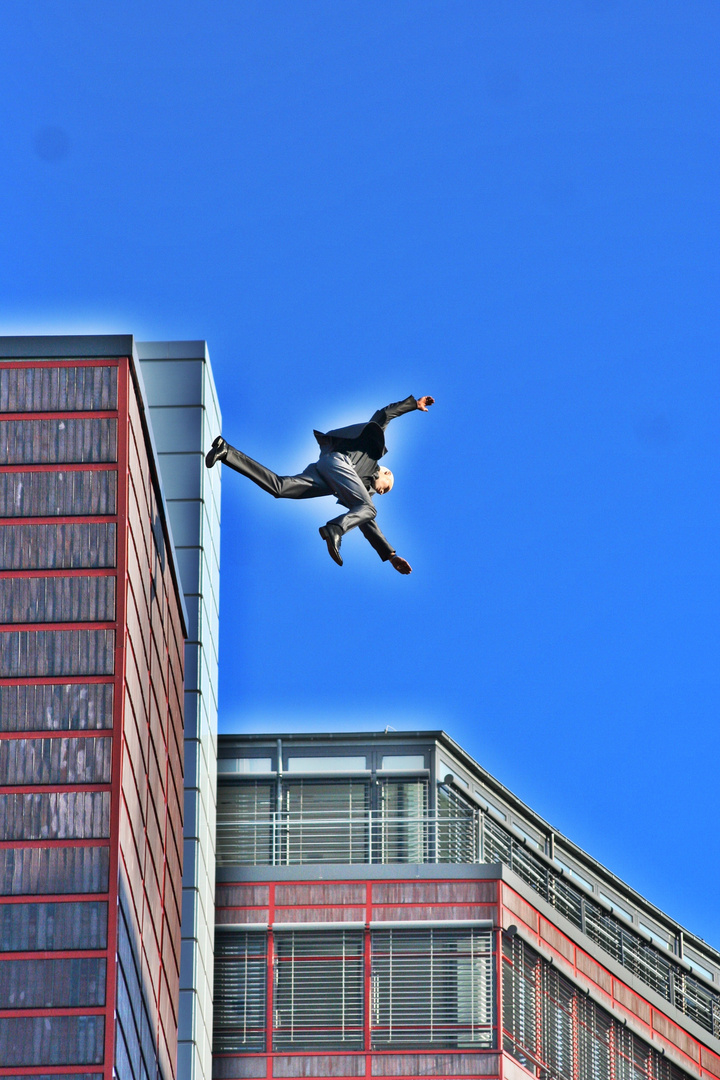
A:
{"points": [[57, 870], [245, 895], [58, 546], [56, 761], [58, 494], [28, 653], [434, 892], [57, 599], [47, 389], [58, 441], [48, 927], [55, 815], [51, 1040], [346, 892], [56, 983], [237, 1068], [435, 1065], [53, 1076], [320, 1065], [70, 707]]}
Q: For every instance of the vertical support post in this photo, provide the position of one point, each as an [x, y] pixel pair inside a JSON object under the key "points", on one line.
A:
{"points": [[498, 1004], [270, 986], [118, 727], [367, 960]]}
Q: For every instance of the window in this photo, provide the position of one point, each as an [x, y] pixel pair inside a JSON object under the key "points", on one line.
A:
{"points": [[403, 762], [325, 822], [432, 988], [245, 765], [240, 991], [457, 828], [327, 764], [318, 990], [556, 1031], [245, 830], [403, 813]]}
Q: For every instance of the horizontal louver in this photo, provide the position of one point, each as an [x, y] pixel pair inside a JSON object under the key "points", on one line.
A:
{"points": [[318, 999], [324, 822], [432, 988], [558, 1033], [240, 992], [245, 824]]}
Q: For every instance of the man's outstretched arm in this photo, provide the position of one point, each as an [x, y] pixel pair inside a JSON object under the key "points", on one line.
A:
{"points": [[410, 404], [385, 550]]}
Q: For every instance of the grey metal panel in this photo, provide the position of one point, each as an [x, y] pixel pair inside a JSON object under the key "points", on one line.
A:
{"points": [[186, 517], [185, 387], [177, 427], [65, 346], [359, 872], [182, 474], [171, 350]]}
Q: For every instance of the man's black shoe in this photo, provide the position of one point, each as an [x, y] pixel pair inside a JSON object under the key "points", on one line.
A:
{"points": [[217, 452], [332, 538]]}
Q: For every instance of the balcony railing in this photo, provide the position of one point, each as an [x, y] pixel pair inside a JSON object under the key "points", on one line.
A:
{"points": [[286, 839], [468, 836]]}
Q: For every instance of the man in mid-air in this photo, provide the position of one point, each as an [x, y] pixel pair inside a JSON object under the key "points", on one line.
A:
{"points": [[347, 468]]}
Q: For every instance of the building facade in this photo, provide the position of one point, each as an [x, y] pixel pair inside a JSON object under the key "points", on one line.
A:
{"points": [[92, 629], [185, 419], [386, 908]]}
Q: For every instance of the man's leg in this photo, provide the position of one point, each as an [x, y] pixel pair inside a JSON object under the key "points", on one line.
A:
{"points": [[338, 473], [307, 485]]}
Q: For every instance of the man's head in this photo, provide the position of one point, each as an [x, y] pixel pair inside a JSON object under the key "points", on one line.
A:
{"points": [[384, 481]]}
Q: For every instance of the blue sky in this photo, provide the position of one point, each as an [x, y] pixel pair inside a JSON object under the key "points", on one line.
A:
{"points": [[512, 206]]}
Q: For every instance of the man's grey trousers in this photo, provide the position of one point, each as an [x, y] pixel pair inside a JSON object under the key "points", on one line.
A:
{"points": [[331, 474]]}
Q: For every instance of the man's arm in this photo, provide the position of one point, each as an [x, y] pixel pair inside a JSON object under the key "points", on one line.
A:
{"points": [[386, 552], [410, 404]]}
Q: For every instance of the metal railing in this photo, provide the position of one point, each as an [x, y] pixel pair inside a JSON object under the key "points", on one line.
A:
{"points": [[368, 836], [645, 961], [467, 835]]}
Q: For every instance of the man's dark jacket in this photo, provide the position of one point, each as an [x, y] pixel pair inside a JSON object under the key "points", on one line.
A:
{"points": [[364, 444], [365, 441]]}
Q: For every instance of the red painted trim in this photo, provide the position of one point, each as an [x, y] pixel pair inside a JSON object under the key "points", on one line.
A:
{"points": [[65, 842], [91, 1010], [49, 362], [58, 680], [57, 733], [367, 959], [44, 789], [269, 1011], [87, 571], [61, 467], [10, 628], [60, 414], [53, 954], [42, 1070], [52, 898], [59, 519], [498, 995], [118, 710]]}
